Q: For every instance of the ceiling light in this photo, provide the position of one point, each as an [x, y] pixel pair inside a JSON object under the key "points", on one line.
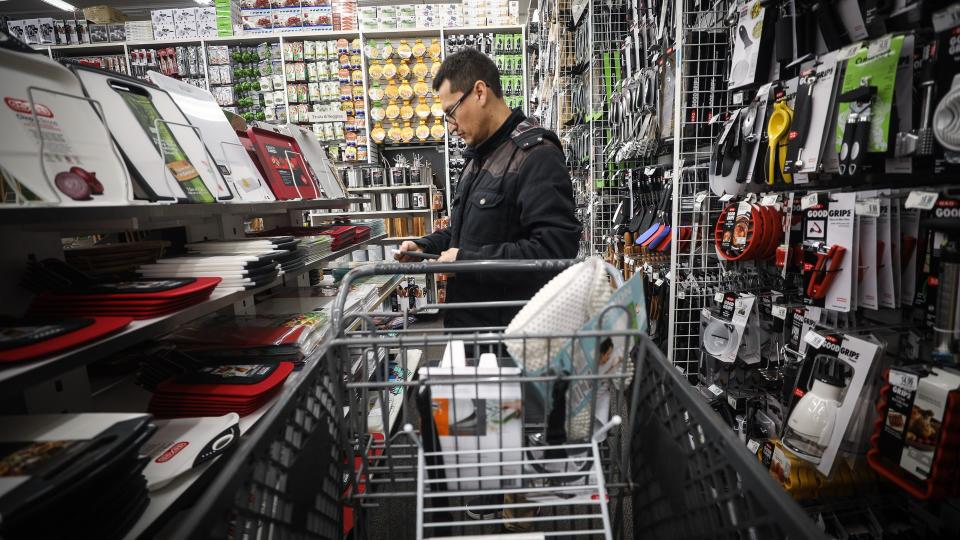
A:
{"points": [[61, 5], [203, 2]]}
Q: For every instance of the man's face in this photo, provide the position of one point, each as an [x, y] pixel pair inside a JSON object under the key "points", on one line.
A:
{"points": [[466, 118]]}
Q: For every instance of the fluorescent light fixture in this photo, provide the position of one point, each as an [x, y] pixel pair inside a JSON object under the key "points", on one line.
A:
{"points": [[203, 2], [61, 5]]}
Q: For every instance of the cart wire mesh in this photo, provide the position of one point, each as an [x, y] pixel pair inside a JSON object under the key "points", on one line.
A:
{"points": [[421, 431]]}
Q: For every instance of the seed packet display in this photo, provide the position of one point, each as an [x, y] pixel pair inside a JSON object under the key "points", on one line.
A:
{"points": [[168, 159], [183, 444], [33, 339], [201, 108], [284, 165], [69, 472], [79, 164]]}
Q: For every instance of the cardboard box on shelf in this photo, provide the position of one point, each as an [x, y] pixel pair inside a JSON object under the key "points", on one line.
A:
{"points": [[17, 29], [104, 14], [405, 11], [99, 33], [287, 18], [138, 30], [118, 32], [185, 23], [407, 23], [319, 18], [256, 20], [48, 33], [31, 31]]}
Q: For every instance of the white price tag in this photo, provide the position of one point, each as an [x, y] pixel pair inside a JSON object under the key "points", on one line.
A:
{"points": [[879, 46], [769, 200], [753, 446], [848, 52], [681, 295], [868, 207], [649, 171], [715, 390], [809, 201], [718, 298], [732, 401], [738, 98], [921, 200], [698, 200], [726, 198], [779, 312], [814, 339], [907, 381], [658, 282]]}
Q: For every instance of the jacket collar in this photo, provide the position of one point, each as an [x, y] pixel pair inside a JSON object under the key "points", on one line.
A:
{"points": [[500, 136]]}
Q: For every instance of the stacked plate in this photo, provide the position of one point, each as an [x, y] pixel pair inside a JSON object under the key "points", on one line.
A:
{"points": [[65, 473], [264, 336], [219, 390], [237, 272], [115, 258], [154, 296]]}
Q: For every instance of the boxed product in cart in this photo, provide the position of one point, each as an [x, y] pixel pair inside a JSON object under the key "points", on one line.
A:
{"points": [[476, 412]]}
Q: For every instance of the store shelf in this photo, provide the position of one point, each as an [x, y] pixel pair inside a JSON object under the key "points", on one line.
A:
{"points": [[505, 29], [140, 216], [84, 48], [400, 33], [402, 146], [20, 376], [397, 239], [374, 214], [390, 188]]}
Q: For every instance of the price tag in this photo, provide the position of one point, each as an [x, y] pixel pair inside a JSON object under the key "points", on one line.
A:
{"points": [[702, 196], [681, 295], [779, 312], [715, 390], [809, 201], [732, 401], [738, 98], [718, 298], [753, 446], [814, 339], [848, 52], [658, 282], [769, 200], [907, 381], [726, 198], [649, 171], [921, 200], [868, 207], [669, 275], [879, 46]]}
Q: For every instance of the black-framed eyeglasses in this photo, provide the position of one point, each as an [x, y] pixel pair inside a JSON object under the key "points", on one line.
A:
{"points": [[448, 115]]}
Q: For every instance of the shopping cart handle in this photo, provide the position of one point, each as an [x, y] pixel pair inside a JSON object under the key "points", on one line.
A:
{"points": [[459, 267]]}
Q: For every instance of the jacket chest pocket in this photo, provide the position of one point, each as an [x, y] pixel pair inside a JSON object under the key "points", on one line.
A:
{"points": [[485, 218]]}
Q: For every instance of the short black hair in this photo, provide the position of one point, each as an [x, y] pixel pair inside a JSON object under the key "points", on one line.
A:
{"points": [[606, 346], [464, 68]]}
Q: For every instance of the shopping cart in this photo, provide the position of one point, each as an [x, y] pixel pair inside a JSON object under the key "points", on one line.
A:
{"points": [[498, 430]]}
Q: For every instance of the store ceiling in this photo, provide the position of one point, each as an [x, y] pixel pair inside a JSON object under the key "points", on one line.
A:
{"points": [[135, 9]]}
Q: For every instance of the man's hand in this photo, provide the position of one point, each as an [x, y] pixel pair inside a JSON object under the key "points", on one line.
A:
{"points": [[405, 248], [448, 256]]}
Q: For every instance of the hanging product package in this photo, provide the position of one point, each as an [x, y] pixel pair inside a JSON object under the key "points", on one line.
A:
{"points": [[200, 107], [316, 158], [167, 157], [53, 147], [752, 47]]}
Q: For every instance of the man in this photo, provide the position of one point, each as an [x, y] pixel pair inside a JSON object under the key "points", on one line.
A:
{"points": [[514, 199]]}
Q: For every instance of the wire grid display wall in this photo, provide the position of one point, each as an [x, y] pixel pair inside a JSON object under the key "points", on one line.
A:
{"points": [[608, 27], [703, 45]]}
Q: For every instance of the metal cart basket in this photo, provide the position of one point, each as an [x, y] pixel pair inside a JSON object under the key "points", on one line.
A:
{"points": [[491, 427]]}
